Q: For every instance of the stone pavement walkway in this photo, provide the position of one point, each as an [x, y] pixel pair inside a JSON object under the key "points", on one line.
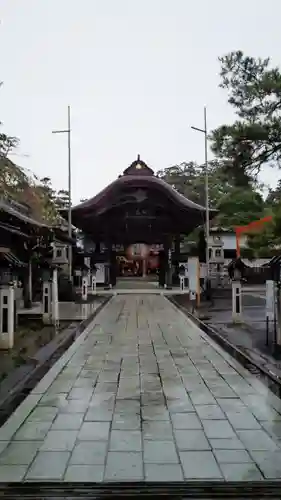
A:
{"points": [[144, 394]]}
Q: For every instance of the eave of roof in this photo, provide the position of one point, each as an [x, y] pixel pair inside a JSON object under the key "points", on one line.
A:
{"points": [[61, 235], [58, 231], [13, 230], [5, 207], [104, 196]]}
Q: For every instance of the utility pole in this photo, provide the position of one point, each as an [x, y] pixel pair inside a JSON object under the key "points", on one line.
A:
{"points": [[68, 132], [205, 132]]}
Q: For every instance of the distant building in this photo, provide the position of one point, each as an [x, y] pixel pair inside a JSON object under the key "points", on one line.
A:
{"points": [[222, 243]]}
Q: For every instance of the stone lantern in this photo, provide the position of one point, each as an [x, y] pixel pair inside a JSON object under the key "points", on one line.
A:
{"points": [[85, 282], [50, 292], [7, 315], [236, 295], [47, 295], [59, 253]]}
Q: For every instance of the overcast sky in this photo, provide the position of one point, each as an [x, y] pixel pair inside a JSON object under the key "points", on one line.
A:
{"points": [[137, 74]]}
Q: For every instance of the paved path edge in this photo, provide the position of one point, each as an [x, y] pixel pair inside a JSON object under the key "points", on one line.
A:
{"points": [[13, 422], [230, 348]]}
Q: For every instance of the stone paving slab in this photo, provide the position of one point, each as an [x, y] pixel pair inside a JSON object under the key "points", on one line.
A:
{"points": [[143, 394]]}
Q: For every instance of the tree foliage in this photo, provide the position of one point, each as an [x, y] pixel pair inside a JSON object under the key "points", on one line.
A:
{"points": [[12, 178], [236, 205], [44, 202], [18, 185], [253, 88], [62, 199], [240, 207], [52, 201], [254, 91], [273, 198], [189, 179]]}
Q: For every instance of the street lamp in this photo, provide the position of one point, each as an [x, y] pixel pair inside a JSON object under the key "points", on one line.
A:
{"points": [[204, 131], [68, 132]]}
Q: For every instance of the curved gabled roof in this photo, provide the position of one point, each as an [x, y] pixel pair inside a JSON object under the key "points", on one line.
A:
{"points": [[138, 175], [137, 182]]}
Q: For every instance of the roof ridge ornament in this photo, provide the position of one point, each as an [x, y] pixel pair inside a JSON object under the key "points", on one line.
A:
{"points": [[138, 167], [139, 163]]}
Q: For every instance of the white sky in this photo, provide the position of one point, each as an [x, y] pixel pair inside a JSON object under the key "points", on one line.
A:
{"points": [[137, 74]]}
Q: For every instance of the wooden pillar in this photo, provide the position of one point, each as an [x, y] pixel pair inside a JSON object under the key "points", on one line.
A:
{"points": [[162, 268], [168, 255], [87, 262], [30, 282], [27, 286], [108, 264], [144, 267], [114, 268], [177, 257]]}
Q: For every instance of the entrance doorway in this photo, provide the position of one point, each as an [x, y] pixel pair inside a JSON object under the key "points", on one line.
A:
{"points": [[138, 267], [139, 261]]}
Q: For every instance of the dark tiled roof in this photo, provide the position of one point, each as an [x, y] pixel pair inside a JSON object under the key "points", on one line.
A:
{"points": [[9, 209], [138, 182], [13, 230]]}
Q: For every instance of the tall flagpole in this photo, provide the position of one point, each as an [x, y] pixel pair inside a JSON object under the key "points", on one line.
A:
{"points": [[207, 222], [68, 132]]}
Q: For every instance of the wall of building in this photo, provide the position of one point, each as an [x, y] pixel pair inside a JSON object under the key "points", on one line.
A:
{"points": [[228, 240]]}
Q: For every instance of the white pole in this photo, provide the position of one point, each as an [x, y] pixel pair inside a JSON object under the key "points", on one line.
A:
{"points": [[68, 132], [207, 194], [69, 196], [205, 132]]}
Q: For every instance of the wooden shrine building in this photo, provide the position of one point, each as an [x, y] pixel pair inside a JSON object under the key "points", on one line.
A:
{"points": [[138, 207], [24, 246]]}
